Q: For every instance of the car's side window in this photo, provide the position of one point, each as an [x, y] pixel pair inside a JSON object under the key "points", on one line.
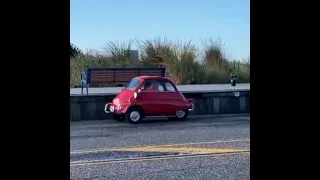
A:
{"points": [[160, 86], [152, 85], [169, 86], [146, 85]]}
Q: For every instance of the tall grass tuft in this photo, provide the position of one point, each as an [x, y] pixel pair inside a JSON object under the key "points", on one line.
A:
{"points": [[183, 61]]}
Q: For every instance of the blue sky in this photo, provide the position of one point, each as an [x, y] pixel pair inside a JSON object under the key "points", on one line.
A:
{"points": [[93, 23]]}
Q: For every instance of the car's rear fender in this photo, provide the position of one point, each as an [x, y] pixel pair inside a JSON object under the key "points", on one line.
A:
{"points": [[185, 104]]}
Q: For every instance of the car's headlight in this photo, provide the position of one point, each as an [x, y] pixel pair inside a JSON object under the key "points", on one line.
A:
{"points": [[116, 101]]}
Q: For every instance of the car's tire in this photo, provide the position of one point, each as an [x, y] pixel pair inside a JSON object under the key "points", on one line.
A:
{"points": [[118, 117], [134, 115], [181, 115]]}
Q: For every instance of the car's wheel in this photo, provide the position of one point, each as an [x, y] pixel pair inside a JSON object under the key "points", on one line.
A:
{"points": [[181, 114], [134, 115], [118, 117]]}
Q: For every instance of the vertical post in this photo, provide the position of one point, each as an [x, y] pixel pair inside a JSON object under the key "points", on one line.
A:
{"points": [[87, 88], [81, 87], [88, 79], [233, 80], [81, 81], [163, 71]]}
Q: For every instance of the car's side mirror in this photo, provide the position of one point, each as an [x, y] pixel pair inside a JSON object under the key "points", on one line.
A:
{"points": [[121, 89]]}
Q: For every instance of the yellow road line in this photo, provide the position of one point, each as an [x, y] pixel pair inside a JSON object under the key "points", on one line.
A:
{"points": [[182, 144], [155, 158], [180, 149]]}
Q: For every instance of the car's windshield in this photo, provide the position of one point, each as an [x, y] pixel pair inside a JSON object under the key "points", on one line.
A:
{"points": [[133, 83]]}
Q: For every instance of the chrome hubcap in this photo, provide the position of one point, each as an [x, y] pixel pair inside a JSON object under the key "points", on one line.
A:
{"points": [[180, 113], [134, 115]]}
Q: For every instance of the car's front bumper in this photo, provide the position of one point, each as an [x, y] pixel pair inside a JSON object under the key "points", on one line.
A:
{"points": [[111, 108]]}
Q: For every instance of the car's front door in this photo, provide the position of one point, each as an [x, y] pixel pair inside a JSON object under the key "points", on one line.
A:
{"points": [[152, 98], [171, 96]]}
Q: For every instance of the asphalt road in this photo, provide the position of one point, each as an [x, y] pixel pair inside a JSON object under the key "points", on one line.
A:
{"points": [[205, 149]]}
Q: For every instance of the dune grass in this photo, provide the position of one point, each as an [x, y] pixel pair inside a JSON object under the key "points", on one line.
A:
{"points": [[184, 62]]}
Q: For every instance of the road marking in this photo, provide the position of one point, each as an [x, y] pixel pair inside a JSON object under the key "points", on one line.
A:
{"points": [[182, 144], [154, 158], [181, 149]]}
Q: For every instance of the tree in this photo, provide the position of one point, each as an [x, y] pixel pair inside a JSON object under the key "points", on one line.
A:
{"points": [[74, 51]]}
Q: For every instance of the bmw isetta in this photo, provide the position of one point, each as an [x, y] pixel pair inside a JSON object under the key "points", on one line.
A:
{"points": [[149, 96]]}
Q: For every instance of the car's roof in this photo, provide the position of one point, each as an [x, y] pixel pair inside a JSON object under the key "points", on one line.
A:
{"points": [[152, 78]]}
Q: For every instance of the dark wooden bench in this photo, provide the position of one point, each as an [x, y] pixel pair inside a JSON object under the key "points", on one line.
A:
{"points": [[115, 75]]}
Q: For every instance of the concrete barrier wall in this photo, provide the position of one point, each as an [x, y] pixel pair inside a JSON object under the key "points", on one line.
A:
{"points": [[90, 107]]}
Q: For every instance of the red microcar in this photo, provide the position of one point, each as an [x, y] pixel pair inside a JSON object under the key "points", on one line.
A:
{"points": [[149, 96]]}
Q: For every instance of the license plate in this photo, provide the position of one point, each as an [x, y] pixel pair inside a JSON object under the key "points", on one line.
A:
{"points": [[111, 108]]}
